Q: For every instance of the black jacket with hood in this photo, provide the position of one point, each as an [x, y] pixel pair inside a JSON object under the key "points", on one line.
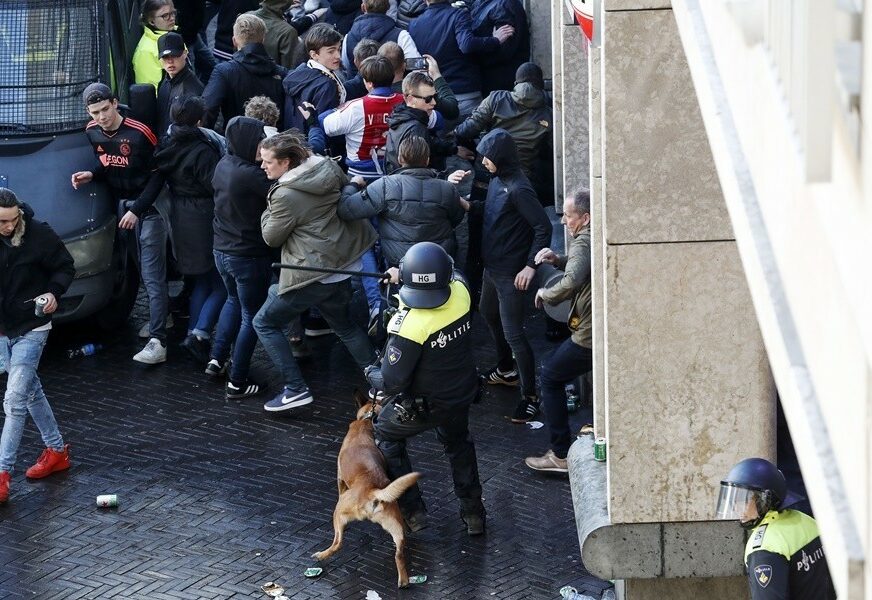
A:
{"points": [[498, 68], [240, 188], [39, 264], [251, 72], [406, 121], [307, 84], [515, 226]]}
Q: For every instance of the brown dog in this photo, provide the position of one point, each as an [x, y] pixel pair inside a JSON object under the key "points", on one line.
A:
{"points": [[365, 491]]}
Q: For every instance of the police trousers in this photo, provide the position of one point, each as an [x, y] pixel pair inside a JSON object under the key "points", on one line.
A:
{"points": [[452, 429]]}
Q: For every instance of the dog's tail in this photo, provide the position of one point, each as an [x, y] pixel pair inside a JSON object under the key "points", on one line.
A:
{"points": [[396, 488]]}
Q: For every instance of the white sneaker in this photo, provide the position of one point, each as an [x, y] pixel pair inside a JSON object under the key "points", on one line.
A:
{"points": [[145, 330], [153, 353]]}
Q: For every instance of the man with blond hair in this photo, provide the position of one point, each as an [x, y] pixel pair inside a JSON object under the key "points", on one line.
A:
{"points": [[251, 72]]}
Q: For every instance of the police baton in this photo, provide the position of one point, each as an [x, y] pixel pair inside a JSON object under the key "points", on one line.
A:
{"points": [[384, 276]]}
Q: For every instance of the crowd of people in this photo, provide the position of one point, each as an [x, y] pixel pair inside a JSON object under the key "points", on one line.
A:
{"points": [[336, 136]]}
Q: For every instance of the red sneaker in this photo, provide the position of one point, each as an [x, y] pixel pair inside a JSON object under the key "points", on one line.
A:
{"points": [[50, 461], [4, 486]]}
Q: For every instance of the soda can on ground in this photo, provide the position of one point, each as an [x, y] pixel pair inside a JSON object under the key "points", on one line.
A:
{"points": [[599, 449], [107, 501], [39, 306]]}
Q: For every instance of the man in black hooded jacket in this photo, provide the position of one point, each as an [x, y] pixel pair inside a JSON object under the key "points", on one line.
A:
{"points": [[251, 72], [35, 271], [515, 227], [417, 117]]}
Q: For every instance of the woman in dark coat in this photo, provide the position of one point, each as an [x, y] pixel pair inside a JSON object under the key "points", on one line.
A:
{"points": [[186, 159]]}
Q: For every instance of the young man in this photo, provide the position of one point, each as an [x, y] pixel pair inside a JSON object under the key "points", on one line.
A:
{"points": [[250, 72], [416, 117], [315, 82], [125, 151], [574, 356], [37, 270], [376, 25], [178, 81], [354, 87], [364, 122]]}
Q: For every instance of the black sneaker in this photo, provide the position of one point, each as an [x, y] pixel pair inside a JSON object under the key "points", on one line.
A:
{"points": [[235, 391], [196, 347], [527, 410], [216, 368], [497, 377]]}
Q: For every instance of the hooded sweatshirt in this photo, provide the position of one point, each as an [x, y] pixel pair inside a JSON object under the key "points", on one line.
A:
{"points": [[524, 113], [251, 72], [301, 219], [240, 188], [39, 263], [515, 226]]}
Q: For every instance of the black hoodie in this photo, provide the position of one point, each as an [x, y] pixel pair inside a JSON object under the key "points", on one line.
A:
{"points": [[406, 121], [40, 264], [240, 187], [515, 225], [251, 72]]}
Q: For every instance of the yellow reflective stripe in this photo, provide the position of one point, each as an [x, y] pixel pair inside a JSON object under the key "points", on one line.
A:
{"points": [[786, 533], [418, 324]]}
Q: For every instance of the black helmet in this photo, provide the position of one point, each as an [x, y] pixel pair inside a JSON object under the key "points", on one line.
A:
{"points": [[752, 480], [425, 272]]}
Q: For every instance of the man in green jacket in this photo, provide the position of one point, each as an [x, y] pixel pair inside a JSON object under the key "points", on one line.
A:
{"points": [[574, 356], [282, 42], [301, 219]]}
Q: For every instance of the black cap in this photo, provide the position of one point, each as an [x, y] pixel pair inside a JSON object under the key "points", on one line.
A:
{"points": [[170, 44], [97, 92], [530, 73]]}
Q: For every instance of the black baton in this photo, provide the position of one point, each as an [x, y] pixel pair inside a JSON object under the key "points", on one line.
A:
{"points": [[329, 270]]}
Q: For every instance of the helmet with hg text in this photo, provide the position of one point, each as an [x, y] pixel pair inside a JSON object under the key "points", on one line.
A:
{"points": [[425, 272], [752, 488]]}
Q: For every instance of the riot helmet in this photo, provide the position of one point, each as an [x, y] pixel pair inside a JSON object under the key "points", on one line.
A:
{"points": [[425, 272], [751, 489]]}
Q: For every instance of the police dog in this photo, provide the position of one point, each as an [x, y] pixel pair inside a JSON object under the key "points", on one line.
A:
{"points": [[365, 491]]}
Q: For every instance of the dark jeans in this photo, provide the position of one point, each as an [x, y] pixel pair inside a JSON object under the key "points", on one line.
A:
{"points": [[569, 362], [452, 429], [502, 306], [207, 297], [332, 301], [247, 282]]}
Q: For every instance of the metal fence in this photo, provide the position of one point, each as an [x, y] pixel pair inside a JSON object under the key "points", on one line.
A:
{"points": [[50, 50]]}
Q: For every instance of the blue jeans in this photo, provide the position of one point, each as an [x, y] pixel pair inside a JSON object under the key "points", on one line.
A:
{"points": [[569, 362], [153, 268], [370, 284], [207, 298], [24, 395], [332, 300], [502, 306], [247, 282]]}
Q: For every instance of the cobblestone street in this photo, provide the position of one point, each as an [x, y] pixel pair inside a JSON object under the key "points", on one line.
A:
{"points": [[216, 497]]}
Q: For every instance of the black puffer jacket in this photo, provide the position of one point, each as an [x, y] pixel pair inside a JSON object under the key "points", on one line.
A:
{"points": [[412, 206], [407, 10], [405, 121], [240, 187], [251, 72], [40, 264], [187, 159], [515, 226]]}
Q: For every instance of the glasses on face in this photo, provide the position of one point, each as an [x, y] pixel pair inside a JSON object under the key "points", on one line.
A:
{"points": [[425, 99], [168, 16]]}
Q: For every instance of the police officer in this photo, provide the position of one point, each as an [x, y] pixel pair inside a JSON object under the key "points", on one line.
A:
{"points": [[784, 556], [429, 368]]}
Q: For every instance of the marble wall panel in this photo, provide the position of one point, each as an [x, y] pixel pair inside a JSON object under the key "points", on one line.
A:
{"points": [[595, 111], [576, 141], [539, 18], [689, 387], [557, 28], [598, 281], [661, 177]]}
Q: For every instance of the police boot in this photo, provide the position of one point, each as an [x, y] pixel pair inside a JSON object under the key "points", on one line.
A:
{"points": [[473, 514]]}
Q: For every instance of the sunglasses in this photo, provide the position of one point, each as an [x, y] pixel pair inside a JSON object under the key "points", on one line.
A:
{"points": [[426, 99], [168, 16]]}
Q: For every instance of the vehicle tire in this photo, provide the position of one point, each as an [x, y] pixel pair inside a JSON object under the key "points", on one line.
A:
{"points": [[124, 292]]}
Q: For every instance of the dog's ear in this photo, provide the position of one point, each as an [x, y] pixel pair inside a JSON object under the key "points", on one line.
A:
{"points": [[360, 398]]}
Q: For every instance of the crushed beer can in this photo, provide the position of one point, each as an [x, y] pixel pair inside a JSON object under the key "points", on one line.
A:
{"points": [[39, 306]]}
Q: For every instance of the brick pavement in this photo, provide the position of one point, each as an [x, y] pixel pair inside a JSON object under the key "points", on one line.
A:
{"points": [[216, 497]]}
